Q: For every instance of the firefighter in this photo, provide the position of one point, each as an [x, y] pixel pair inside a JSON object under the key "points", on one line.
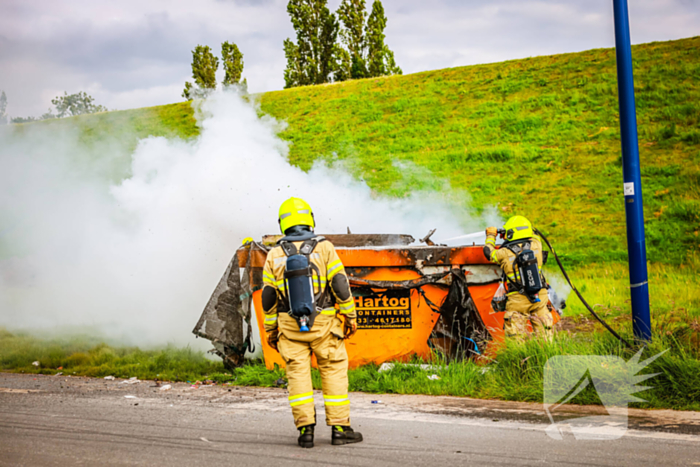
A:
{"points": [[326, 330], [520, 307]]}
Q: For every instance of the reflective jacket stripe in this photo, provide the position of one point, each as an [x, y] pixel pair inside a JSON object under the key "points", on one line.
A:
{"points": [[346, 308], [334, 268], [270, 319]]}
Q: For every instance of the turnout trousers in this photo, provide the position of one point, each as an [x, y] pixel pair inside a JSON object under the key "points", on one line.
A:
{"points": [[325, 341], [519, 310]]}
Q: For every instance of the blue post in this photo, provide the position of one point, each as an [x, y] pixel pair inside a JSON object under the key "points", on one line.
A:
{"points": [[636, 245]]}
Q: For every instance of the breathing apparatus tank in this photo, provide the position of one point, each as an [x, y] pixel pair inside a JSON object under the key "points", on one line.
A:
{"points": [[298, 278], [300, 289], [530, 278]]}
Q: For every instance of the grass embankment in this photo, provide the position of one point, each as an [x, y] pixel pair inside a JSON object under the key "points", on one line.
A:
{"points": [[517, 375], [537, 137]]}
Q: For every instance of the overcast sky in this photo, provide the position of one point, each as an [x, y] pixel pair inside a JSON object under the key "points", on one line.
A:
{"points": [[133, 53]]}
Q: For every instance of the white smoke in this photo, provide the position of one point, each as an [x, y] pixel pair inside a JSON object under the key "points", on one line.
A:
{"points": [[137, 260]]}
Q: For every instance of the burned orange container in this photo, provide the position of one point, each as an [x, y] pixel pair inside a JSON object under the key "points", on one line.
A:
{"points": [[410, 300]]}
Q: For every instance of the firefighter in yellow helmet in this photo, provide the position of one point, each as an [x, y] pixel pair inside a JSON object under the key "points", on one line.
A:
{"points": [[520, 257], [305, 294]]}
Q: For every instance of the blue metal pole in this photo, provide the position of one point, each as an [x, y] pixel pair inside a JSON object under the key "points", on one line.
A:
{"points": [[636, 244]]}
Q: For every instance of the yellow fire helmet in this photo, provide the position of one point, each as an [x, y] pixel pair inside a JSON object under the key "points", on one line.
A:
{"points": [[518, 227], [295, 211]]}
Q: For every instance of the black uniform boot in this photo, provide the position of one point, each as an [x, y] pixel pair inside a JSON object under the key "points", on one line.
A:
{"points": [[345, 435], [306, 436]]}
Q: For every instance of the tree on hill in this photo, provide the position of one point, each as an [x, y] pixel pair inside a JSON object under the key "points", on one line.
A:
{"points": [[380, 59], [352, 14], [312, 59], [3, 108], [232, 60], [365, 53], [204, 66], [69, 105]]}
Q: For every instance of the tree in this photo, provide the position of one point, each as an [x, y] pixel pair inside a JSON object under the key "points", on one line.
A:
{"points": [[365, 54], [232, 60], [204, 66], [352, 59], [69, 105], [3, 108], [380, 59], [312, 60]]}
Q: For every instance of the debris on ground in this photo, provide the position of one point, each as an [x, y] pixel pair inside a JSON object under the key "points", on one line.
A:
{"points": [[280, 382], [166, 387], [376, 402], [424, 367], [59, 373], [129, 397], [36, 363], [433, 377], [132, 380], [109, 378]]}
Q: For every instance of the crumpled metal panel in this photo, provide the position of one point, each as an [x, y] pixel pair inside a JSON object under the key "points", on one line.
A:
{"points": [[229, 306]]}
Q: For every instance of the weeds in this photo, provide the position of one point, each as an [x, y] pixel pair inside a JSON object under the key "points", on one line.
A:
{"points": [[517, 374]]}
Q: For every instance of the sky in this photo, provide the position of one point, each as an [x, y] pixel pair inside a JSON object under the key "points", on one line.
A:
{"points": [[133, 53]]}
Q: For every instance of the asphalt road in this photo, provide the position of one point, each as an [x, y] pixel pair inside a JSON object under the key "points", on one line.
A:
{"points": [[49, 420]]}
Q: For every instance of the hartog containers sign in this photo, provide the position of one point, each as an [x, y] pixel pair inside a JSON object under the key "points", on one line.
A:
{"points": [[390, 309]]}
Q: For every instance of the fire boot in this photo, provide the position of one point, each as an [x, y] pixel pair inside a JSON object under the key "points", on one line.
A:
{"points": [[306, 436], [345, 435]]}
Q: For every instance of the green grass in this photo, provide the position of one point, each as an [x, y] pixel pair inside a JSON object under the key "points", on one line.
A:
{"points": [[516, 375], [538, 136], [88, 356]]}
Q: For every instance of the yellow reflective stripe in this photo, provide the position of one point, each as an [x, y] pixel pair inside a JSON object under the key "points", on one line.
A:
{"points": [[491, 241], [336, 400], [494, 258], [269, 319], [268, 282], [299, 399], [297, 396], [268, 276], [328, 311], [334, 268], [302, 402], [280, 284], [345, 402], [347, 308]]}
